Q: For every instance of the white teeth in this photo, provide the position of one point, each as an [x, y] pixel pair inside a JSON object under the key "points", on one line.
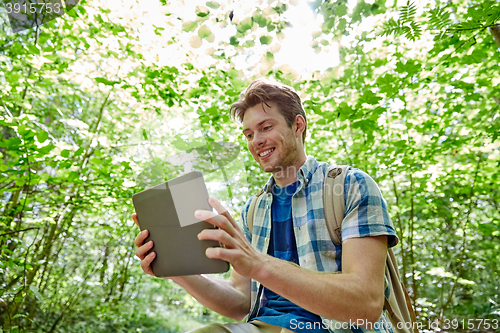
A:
{"points": [[266, 152]]}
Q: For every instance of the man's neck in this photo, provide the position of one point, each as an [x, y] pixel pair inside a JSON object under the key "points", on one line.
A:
{"points": [[288, 175]]}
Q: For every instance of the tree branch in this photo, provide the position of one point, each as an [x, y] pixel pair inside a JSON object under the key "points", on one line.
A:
{"points": [[18, 231]]}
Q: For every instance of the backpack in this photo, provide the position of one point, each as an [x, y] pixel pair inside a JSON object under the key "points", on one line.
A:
{"points": [[398, 306]]}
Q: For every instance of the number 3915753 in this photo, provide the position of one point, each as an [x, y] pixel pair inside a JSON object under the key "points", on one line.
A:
{"points": [[471, 324], [32, 8]]}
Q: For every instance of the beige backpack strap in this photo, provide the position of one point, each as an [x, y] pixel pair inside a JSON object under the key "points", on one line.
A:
{"points": [[398, 305], [250, 218], [251, 210], [333, 200]]}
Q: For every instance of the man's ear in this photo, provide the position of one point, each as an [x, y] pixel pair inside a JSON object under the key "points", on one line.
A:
{"points": [[300, 125]]}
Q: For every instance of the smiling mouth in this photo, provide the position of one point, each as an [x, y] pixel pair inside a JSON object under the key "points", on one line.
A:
{"points": [[267, 152]]}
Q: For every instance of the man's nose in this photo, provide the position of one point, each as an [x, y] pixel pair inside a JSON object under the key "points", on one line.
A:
{"points": [[258, 139]]}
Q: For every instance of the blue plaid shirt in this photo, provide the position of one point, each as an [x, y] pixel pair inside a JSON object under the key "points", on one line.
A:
{"points": [[366, 214]]}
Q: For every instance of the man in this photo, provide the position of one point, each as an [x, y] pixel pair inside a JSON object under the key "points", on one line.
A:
{"points": [[289, 251]]}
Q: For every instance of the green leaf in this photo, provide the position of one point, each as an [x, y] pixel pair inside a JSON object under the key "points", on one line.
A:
{"points": [[271, 26], [328, 24], [260, 20], [410, 67], [213, 4], [370, 97], [19, 315], [79, 151], [97, 161], [413, 31], [249, 43], [189, 26], [341, 10], [46, 149], [265, 40], [42, 136], [407, 14], [12, 143], [34, 290], [65, 153], [73, 175], [106, 81], [51, 57], [245, 25], [391, 27], [34, 49], [342, 24], [233, 41], [24, 130], [399, 143], [386, 83], [200, 12], [345, 111], [204, 31], [439, 18]]}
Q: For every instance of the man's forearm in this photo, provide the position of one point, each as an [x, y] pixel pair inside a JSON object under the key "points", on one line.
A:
{"points": [[219, 295], [342, 297]]}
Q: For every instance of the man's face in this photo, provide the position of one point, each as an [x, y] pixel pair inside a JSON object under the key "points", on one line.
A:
{"points": [[272, 143]]}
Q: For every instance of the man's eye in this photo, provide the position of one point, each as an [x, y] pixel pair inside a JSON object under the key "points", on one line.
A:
{"points": [[267, 128], [249, 136]]}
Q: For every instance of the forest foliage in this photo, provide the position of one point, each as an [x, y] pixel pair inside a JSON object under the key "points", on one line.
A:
{"points": [[114, 96]]}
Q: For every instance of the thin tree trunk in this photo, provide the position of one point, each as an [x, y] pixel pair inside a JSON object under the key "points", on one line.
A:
{"points": [[46, 264], [464, 240], [411, 247], [124, 279], [104, 263]]}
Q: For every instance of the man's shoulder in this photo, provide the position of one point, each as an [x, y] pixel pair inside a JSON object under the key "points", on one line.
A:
{"points": [[357, 175], [357, 182]]}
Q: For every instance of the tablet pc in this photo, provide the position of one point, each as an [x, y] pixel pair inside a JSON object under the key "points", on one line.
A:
{"points": [[167, 211]]}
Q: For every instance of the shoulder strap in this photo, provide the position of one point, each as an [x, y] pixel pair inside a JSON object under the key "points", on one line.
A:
{"points": [[333, 200], [398, 305], [251, 210]]}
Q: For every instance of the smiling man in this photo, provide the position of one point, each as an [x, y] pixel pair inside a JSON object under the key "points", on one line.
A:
{"points": [[284, 269]]}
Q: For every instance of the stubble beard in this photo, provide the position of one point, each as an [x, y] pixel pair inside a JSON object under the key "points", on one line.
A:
{"points": [[286, 160]]}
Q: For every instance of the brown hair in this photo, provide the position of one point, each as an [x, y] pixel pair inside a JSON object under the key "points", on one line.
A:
{"points": [[262, 91]]}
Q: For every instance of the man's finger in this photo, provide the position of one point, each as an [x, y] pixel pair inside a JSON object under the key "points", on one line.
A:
{"points": [[146, 263], [221, 253], [220, 221], [142, 251], [218, 235], [134, 217], [221, 210], [139, 240]]}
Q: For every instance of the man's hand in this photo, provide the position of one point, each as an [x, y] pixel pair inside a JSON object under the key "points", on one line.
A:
{"points": [[143, 249], [244, 258]]}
